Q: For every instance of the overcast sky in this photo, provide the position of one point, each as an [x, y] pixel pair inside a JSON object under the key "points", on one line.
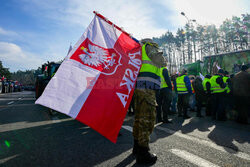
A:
{"points": [[33, 32]]}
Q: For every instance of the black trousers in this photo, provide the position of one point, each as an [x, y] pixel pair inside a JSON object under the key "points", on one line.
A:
{"points": [[182, 104], [218, 106], [163, 99], [208, 105], [243, 109], [199, 105]]}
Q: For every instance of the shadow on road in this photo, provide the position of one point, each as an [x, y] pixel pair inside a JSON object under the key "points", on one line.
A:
{"points": [[68, 143], [225, 136]]}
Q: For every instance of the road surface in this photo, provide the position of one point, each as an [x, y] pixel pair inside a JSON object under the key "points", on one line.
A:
{"points": [[30, 136]]}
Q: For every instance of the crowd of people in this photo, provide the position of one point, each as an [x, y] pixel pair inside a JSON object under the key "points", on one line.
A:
{"points": [[157, 93], [222, 95]]}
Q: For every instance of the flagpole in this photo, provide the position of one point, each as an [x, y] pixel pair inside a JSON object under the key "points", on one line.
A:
{"points": [[111, 23]]}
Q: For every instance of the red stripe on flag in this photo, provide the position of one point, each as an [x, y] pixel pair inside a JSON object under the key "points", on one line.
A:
{"points": [[104, 110]]}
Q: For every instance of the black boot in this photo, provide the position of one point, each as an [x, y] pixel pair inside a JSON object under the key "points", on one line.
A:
{"points": [[135, 148], [143, 156]]}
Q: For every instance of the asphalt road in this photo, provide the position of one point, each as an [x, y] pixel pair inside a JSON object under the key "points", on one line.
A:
{"points": [[30, 136]]}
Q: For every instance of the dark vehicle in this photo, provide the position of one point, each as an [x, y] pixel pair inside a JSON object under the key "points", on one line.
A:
{"points": [[47, 72], [230, 62]]}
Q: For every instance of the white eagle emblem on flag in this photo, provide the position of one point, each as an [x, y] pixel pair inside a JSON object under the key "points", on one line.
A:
{"points": [[94, 56]]}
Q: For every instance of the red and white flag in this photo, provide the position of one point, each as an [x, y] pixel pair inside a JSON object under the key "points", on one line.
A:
{"points": [[96, 81]]}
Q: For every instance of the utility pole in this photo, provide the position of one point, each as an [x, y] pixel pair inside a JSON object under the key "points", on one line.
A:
{"points": [[190, 31]]}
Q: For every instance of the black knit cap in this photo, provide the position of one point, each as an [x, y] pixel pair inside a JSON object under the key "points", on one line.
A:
{"points": [[208, 76], [184, 71], [220, 71], [244, 68]]}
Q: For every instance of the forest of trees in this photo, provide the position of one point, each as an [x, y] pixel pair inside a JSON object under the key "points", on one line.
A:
{"points": [[195, 41], [27, 77]]}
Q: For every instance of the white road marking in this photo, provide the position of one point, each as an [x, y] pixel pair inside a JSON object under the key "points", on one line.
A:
{"points": [[192, 158], [19, 98], [200, 141], [10, 102], [207, 143], [23, 125], [28, 98], [8, 158], [55, 119], [129, 128]]}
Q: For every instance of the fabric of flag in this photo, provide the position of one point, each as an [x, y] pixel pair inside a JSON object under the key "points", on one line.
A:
{"points": [[95, 82], [202, 77], [70, 48]]}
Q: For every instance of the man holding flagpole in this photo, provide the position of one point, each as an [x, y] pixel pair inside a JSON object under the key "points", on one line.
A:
{"points": [[103, 66], [148, 82]]}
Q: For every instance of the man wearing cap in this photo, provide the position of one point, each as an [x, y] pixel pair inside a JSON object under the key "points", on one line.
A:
{"points": [[164, 97], [184, 91], [147, 83], [217, 96]]}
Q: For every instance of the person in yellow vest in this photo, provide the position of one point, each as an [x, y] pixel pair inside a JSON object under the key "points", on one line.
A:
{"points": [[184, 90], [217, 96], [207, 88], [147, 83], [227, 80], [164, 97]]}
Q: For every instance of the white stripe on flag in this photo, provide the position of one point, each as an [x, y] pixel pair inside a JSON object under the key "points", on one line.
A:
{"points": [[68, 89], [100, 33]]}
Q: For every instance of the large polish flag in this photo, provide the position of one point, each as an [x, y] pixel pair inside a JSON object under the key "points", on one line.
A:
{"points": [[96, 80]]}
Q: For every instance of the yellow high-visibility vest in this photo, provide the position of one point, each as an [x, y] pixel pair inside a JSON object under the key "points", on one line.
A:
{"points": [[163, 82], [149, 73], [215, 88], [181, 86], [227, 89], [204, 83]]}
